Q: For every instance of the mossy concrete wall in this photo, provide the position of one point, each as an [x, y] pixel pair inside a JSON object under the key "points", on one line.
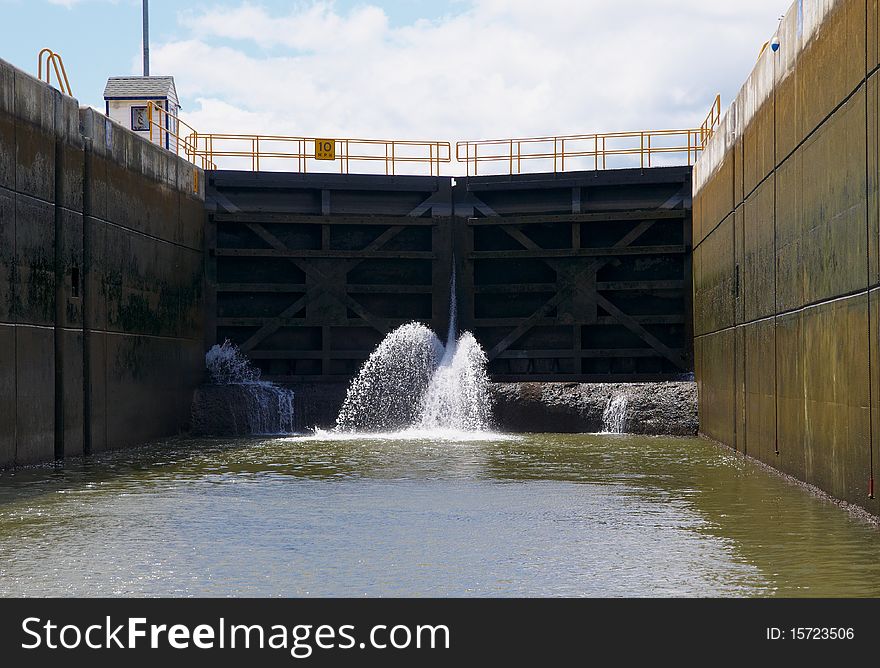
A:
{"points": [[786, 211], [101, 270]]}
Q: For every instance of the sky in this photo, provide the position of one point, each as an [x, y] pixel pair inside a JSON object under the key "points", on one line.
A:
{"points": [[410, 69]]}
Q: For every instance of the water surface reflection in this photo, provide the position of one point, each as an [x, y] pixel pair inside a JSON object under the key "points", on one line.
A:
{"points": [[541, 515]]}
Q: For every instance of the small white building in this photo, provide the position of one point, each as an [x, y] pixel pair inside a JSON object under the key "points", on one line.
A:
{"points": [[126, 99]]}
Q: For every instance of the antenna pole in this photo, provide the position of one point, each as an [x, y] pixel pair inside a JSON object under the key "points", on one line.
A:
{"points": [[146, 4]]}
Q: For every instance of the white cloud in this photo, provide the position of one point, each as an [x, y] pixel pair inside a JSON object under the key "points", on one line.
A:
{"points": [[314, 26], [497, 68], [70, 4]]}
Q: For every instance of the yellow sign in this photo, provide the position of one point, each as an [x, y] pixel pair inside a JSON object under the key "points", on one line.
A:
{"points": [[325, 149]]}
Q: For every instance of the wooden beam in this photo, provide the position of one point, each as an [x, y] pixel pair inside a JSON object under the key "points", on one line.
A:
{"points": [[289, 321], [308, 378], [526, 325], [613, 251], [589, 353], [636, 328], [333, 254], [514, 288], [362, 288], [645, 319], [602, 217], [562, 293], [272, 325], [519, 236], [640, 285], [308, 354], [582, 377], [601, 320], [246, 217], [261, 287], [383, 239]]}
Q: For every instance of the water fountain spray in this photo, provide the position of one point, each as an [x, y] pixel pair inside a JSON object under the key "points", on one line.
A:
{"points": [[414, 381]]}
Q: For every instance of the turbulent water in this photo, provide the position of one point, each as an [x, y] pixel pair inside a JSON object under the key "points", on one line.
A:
{"points": [[262, 407], [414, 382], [385, 395], [614, 415], [457, 395]]}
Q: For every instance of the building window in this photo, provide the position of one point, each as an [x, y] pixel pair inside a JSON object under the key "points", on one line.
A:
{"points": [[139, 120]]}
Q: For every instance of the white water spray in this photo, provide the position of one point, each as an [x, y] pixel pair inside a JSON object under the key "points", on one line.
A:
{"points": [[266, 408], [413, 382], [614, 415]]}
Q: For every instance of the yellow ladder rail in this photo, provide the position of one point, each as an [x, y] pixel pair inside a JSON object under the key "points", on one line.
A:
{"points": [[53, 57]]}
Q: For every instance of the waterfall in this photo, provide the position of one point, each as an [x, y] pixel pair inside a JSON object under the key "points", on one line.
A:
{"points": [[412, 381], [452, 330], [255, 406], [614, 415]]}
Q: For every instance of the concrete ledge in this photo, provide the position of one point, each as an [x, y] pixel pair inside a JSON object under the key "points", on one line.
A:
{"points": [[241, 409], [652, 408]]}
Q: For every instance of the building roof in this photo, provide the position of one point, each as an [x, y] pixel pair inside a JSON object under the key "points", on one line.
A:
{"points": [[140, 87]]}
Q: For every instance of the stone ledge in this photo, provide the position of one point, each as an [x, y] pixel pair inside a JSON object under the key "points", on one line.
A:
{"points": [[668, 409]]}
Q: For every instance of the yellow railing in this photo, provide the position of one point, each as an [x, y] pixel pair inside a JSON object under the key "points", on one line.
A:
{"points": [[57, 63], [568, 152], [167, 130], [580, 151], [257, 150], [713, 118]]}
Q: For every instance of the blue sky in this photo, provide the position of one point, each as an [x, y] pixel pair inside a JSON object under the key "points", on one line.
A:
{"points": [[454, 69], [101, 38]]}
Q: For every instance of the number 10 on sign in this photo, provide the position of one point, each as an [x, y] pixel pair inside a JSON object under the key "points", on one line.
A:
{"points": [[325, 149]]}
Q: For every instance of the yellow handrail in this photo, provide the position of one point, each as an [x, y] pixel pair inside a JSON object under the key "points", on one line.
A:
{"points": [[713, 118], [58, 66], [168, 131], [304, 150], [596, 148], [165, 127]]}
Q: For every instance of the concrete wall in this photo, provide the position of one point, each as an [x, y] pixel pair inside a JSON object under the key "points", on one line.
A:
{"points": [[101, 270], [786, 255]]}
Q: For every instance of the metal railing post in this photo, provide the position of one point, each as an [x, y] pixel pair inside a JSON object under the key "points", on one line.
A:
{"points": [[511, 157], [642, 150]]}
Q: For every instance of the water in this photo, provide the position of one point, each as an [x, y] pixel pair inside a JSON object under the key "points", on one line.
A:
{"points": [[614, 415], [227, 365], [413, 382], [457, 396], [387, 391], [261, 407], [340, 515]]}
